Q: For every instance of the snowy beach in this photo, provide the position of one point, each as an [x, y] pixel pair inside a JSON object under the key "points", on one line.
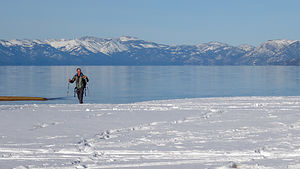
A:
{"points": [[232, 132]]}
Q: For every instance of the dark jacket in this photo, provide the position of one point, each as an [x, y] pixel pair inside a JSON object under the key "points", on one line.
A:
{"points": [[80, 80]]}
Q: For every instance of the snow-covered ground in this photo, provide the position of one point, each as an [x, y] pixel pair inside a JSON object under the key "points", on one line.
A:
{"points": [[237, 132]]}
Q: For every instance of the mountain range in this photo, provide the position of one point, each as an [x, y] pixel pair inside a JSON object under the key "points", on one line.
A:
{"points": [[128, 50]]}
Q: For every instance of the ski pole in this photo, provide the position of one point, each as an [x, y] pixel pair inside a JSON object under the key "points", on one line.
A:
{"points": [[87, 89], [68, 88]]}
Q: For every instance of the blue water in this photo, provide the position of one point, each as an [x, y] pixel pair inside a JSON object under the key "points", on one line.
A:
{"points": [[127, 84]]}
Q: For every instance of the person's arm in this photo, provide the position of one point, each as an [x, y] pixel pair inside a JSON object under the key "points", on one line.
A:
{"points": [[72, 80], [86, 78]]}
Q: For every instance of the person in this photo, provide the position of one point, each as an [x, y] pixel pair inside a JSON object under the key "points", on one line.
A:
{"points": [[81, 81]]}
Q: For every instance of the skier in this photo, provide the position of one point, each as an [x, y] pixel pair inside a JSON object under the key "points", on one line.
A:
{"points": [[81, 81]]}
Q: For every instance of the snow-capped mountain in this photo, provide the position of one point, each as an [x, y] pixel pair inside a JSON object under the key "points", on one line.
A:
{"points": [[268, 53], [128, 50], [246, 47], [86, 45]]}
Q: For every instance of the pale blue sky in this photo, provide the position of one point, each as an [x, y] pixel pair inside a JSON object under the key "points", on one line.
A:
{"points": [[163, 21]]}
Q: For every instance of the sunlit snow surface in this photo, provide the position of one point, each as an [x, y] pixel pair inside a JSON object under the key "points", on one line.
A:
{"points": [[238, 132]]}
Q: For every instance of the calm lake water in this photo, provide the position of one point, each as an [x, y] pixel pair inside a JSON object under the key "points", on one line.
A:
{"points": [[127, 84]]}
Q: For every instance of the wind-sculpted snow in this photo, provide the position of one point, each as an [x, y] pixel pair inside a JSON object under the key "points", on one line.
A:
{"points": [[238, 132]]}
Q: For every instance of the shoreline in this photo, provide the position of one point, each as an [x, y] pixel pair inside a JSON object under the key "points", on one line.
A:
{"points": [[43, 101]]}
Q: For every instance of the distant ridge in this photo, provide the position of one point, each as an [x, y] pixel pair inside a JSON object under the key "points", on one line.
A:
{"points": [[128, 50]]}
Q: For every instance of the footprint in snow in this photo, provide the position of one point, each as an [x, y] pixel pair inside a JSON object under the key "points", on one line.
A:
{"points": [[44, 125]]}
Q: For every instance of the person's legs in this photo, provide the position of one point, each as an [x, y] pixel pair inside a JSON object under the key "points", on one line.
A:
{"points": [[80, 95]]}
